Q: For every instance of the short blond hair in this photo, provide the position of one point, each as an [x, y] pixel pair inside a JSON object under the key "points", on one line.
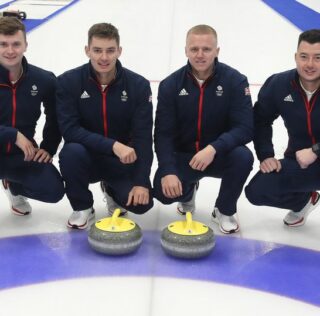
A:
{"points": [[203, 29]]}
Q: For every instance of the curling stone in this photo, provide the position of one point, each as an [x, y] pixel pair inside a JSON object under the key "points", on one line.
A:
{"points": [[115, 235], [187, 239]]}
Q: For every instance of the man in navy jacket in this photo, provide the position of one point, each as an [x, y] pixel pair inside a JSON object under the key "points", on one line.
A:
{"points": [[203, 121], [290, 183], [105, 115], [25, 168]]}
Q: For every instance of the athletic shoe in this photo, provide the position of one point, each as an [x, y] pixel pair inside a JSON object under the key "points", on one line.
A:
{"points": [[190, 206], [81, 219], [19, 204], [227, 224], [111, 204], [294, 219]]}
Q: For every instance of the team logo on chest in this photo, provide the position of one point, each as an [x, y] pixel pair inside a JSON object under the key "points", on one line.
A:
{"points": [[124, 96], [219, 91], [34, 90]]}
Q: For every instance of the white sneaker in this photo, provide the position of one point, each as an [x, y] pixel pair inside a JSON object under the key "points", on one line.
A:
{"points": [[190, 206], [111, 204], [19, 204], [294, 219], [227, 224], [80, 219]]}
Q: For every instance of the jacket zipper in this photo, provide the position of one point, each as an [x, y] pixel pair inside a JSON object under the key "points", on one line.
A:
{"points": [[14, 114], [200, 108], [104, 111], [309, 107]]}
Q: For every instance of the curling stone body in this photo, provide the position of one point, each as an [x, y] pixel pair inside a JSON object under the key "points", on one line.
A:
{"points": [[187, 239], [115, 235]]}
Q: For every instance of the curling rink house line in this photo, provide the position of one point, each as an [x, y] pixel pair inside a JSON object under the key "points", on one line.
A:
{"points": [[7, 4], [247, 263], [298, 14], [31, 24]]}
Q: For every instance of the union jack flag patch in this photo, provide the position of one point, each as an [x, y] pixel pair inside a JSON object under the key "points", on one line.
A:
{"points": [[247, 91]]}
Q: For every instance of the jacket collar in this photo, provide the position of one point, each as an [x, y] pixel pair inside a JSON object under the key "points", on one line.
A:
{"points": [[4, 73], [93, 75], [216, 67]]}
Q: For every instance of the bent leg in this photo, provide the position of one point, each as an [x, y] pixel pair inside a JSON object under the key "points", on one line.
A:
{"points": [[289, 189], [233, 169], [187, 176], [34, 180], [119, 181], [119, 191], [76, 165]]}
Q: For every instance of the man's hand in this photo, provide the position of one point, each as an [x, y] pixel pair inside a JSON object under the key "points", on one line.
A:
{"points": [[171, 186], [138, 195], [305, 157], [269, 165], [125, 153], [26, 146], [202, 159], [42, 156]]}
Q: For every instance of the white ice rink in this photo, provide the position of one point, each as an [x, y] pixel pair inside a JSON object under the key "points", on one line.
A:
{"points": [[257, 41]]}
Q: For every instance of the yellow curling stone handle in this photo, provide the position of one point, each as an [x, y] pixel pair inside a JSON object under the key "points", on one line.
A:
{"points": [[115, 224], [188, 227]]}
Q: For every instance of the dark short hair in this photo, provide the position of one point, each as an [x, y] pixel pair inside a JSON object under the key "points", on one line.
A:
{"points": [[11, 25], [310, 36], [103, 30]]}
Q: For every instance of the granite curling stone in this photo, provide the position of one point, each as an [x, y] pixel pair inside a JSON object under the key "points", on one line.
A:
{"points": [[187, 239], [115, 235]]}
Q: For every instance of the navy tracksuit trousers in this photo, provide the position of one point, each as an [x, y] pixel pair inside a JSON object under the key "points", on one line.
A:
{"points": [[79, 167], [232, 168], [34, 180], [289, 189]]}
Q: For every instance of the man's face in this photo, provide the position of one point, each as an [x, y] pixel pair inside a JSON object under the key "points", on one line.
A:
{"points": [[308, 63], [201, 50], [12, 49], [103, 54]]}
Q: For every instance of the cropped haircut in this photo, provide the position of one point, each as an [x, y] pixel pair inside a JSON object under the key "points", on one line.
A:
{"points": [[11, 25], [103, 30], [203, 29], [310, 36]]}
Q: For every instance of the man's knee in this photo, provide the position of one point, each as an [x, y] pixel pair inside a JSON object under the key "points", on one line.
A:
{"points": [[243, 157], [254, 192], [51, 193], [72, 150], [141, 208], [58, 192], [73, 157]]}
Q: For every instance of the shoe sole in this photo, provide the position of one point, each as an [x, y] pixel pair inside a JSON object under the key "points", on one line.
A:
{"points": [[18, 213], [84, 226], [123, 214], [301, 222], [296, 224], [227, 232], [183, 213]]}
